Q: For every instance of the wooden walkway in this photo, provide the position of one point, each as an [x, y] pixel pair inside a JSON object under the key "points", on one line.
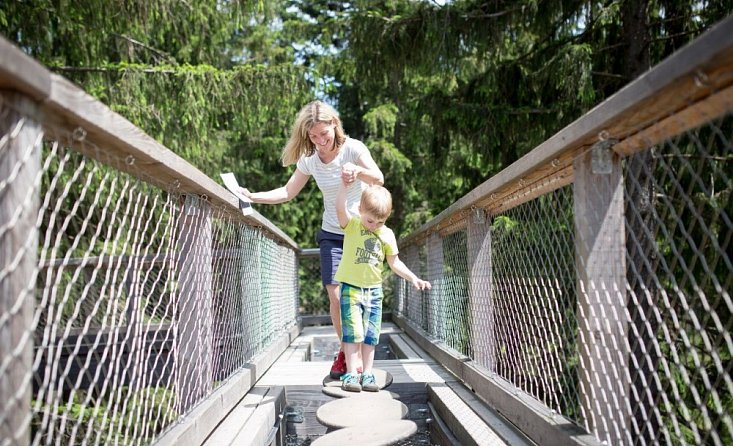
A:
{"points": [[281, 408]]}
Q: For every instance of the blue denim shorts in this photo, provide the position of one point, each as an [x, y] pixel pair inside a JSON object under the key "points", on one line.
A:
{"points": [[331, 246]]}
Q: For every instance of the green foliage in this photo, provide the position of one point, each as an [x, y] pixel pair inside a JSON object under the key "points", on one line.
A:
{"points": [[123, 418], [454, 93]]}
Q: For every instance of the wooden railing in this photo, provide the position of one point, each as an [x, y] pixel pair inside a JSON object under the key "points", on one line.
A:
{"points": [[584, 291]]}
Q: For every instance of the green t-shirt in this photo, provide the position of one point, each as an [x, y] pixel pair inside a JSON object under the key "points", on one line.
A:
{"points": [[362, 261]]}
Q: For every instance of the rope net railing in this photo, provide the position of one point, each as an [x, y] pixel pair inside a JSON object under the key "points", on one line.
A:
{"points": [[127, 301], [600, 288]]}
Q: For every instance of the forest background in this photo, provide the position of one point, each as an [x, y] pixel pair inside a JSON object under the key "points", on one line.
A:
{"points": [[445, 94]]}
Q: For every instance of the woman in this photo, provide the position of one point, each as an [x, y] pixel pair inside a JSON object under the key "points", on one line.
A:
{"points": [[320, 148]]}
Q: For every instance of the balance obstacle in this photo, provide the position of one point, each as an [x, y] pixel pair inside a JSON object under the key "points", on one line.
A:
{"points": [[364, 418]]}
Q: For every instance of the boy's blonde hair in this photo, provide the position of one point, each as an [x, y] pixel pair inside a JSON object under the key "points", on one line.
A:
{"points": [[376, 200], [299, 143]]}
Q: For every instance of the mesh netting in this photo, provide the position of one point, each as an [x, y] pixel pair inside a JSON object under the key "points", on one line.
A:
{"points": [[608, 299], [144, 298]]}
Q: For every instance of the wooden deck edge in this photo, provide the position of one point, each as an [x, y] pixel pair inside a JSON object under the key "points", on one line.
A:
{"points": [[254, 418], [198, 424], [503, 428], [401, 347], [441, 433], [265, 424], [470, 420], [298, 351], [526, 413]]}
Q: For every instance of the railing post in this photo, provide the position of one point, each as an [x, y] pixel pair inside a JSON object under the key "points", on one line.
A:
{"points": [[20, 162], [436, 305], [601, 268], [194, 316], [482, 310]]}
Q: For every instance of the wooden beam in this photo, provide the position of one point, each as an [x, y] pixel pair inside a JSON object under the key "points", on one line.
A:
{"points": [[21, 73], [691, 117]]}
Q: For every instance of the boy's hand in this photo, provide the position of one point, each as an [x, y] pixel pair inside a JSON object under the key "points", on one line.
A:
{"points": [[421, 284], [349, 172]]}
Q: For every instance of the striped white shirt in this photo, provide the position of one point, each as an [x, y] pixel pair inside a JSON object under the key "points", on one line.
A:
{"points": [[328, 177]]}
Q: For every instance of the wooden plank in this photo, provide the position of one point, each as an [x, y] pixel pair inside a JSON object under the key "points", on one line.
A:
{"points": [[228, 429], [402, 349], [538, 184], [449, 358], [20, 73], [261, 428], [695, 71], [461, 419], [704, 111], [440, 433], [497, 423], [312, 373], [422, 354], [203, 418], [529, 416], [298, 351]]}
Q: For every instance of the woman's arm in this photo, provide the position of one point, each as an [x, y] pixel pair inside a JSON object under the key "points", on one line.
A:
{"points": [[281, 194], [403, 271]]}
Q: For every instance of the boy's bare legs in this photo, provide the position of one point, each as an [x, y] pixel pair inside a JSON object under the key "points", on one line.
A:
{"points": [[351, 351], [368, 381], [334, 310], [367, 356], [351, 380]]}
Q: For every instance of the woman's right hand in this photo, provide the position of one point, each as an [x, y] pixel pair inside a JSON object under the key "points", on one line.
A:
{"points": [[244, 191]]}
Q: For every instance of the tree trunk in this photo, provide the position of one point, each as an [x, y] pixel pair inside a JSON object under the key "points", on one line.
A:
{"points": [[636, 35]]}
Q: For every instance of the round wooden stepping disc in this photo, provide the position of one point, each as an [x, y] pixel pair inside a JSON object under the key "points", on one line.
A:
{"points": [[338, 392], [382, 377], [348, 412], [386, 433]]}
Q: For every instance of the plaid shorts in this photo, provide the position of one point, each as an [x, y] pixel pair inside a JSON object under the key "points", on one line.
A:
{"points": [[361, 314]]}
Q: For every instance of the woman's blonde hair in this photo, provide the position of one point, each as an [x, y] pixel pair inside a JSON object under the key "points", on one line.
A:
{"points": [[299, 143], [377, 201]]}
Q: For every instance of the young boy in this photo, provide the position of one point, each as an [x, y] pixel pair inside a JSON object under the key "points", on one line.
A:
{"points": [[367, 242]]}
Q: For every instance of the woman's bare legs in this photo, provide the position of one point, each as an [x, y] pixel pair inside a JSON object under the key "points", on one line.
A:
{"points": [[334, 307]]}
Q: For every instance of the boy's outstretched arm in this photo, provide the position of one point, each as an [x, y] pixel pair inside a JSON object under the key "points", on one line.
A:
{"points": [[403, 271], [342, 213]]}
